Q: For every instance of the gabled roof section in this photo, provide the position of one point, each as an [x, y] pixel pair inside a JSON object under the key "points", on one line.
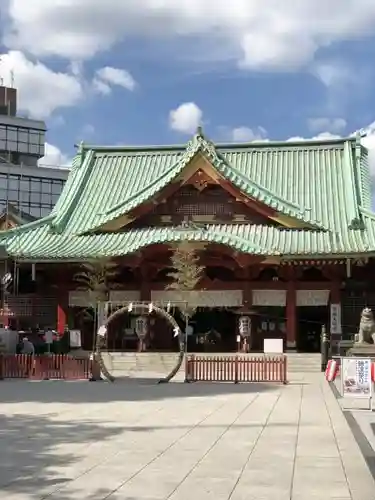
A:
{"points": [[199, 144], [321, 183]]}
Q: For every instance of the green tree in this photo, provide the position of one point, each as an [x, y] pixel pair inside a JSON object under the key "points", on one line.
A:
{"points": [[96, 277], [187, 273]]}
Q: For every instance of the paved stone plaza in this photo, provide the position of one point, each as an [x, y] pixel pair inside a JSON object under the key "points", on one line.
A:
{"points": [[133, 440]]}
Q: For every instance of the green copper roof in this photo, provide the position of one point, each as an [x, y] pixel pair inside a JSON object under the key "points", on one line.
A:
{"points": [[39, 243], [324, 185], [313, 182]]}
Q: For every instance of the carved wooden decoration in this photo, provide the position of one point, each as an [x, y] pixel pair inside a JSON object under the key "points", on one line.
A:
{"points": [[201, 201], [200, 180]]}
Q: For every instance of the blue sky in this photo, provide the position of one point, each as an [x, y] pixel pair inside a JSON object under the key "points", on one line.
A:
{"points": [[141, 72]]}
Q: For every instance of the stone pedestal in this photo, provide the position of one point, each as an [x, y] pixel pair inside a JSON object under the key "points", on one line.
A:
{"points": [[362, 350]]}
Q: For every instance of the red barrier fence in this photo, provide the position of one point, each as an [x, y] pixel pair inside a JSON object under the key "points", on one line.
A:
{"points": [[236, 369], [44, 367]]}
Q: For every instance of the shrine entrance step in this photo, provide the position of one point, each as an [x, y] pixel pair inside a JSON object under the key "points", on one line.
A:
{"points": [[131, 363], [304, 362]]}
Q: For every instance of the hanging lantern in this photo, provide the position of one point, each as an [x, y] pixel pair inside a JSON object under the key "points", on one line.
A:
{"points": [[168, 307], [141, 327], [150, 307], [130, 307], [102, 331], [244, 326]]}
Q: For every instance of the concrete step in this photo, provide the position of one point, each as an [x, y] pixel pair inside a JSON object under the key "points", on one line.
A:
{"points": [[164, 362]]}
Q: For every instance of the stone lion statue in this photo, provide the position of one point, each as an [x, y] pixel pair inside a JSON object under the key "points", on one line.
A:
{"points": [[366, 333]]}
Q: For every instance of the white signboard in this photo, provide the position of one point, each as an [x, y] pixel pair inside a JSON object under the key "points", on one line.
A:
{"points": [[276, 298], [273, 346], [75, 338], [200, 298], [49, 337], [336, 318], [309, 298], [124, 295], [356, 377]]}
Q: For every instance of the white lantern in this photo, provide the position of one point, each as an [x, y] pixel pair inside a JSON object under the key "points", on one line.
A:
{"points": [[141, 327], [244, 326], [102, 331]]}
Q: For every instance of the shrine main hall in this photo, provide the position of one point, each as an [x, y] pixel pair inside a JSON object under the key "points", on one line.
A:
{"points": [[284, 231]]}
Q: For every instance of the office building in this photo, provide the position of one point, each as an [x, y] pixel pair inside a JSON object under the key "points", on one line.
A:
{"points": [[23, 184]]}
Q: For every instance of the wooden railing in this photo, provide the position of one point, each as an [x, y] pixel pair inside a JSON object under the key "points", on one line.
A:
{"points": [[44, 367], [240, 368]]}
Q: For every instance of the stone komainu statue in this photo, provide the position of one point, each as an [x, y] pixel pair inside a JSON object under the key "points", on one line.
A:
{"points": [[366, 331]]}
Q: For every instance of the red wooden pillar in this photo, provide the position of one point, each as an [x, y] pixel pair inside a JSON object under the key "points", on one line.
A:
{"points": [[62, 301], [61, 318], [291, 316]]}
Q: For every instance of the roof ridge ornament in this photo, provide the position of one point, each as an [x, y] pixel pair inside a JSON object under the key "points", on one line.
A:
{"points": [[200, 143], [80, 147], [199, 132], [79, 156]]}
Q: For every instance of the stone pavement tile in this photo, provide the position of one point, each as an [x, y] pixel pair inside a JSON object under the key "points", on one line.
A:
{"points": [[269, 492], [358, 476], [318, 496], [268, 472], [204, 489], [216, 474], [88, 484], [325, 486], [146, 488]]}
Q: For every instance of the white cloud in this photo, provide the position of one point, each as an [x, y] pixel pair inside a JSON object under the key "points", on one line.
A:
{"points": [[107, 76], [326, 124], [246, 134], [53, 158], [333, 73], [40, 90], [273, 35], [101, 87], [186, 118], [323, 136]]}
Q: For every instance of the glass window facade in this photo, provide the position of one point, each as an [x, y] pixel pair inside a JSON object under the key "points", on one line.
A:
{"points": [[34, 195], [22, 140]]}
